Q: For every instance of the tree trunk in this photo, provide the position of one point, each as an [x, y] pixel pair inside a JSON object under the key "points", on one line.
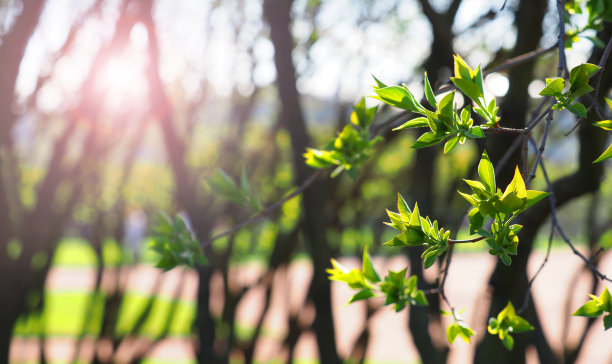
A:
{"points": [[277, 13]]}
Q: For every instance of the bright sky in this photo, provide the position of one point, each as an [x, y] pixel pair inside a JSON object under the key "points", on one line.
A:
{"points": [[198, 43]]}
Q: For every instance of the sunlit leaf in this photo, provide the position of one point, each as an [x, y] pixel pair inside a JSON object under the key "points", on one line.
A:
{"points": [[605, 155], [487, 173]]}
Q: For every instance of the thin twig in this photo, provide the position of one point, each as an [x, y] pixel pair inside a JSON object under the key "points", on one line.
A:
{"points": [[540, 150], [503, 130], [513, 62], [525, 154], [467, 241], [445, 275], [562, 67], [528, 293], [602, 65], [535, 121], [268, 210], [555, 222], [506, 157]]}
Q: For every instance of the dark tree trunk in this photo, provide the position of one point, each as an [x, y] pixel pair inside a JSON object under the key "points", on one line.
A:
{"points": [[510, 283], [277, 13], [12, 50], [422, 185]]}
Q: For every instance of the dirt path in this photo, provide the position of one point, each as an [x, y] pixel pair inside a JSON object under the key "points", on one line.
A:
{"points": [[390, 340]]}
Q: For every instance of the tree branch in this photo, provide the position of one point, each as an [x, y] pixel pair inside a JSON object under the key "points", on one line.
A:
{"points": [[268, 210]]}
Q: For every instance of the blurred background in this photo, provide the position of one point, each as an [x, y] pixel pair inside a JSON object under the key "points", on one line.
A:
{"points": [[112, 111]]}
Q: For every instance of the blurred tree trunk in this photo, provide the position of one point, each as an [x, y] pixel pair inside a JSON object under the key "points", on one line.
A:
{"points": [[510, 283], [185, 180], [314, 221], [422, 183], [12, 50]]}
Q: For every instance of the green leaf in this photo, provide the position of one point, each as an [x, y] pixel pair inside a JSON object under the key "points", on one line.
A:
{"points": [[604, 124], [605, 155], [403, 208], [415, 218], [361, 115], [420, 299], [589, 309], [476, 220], [577, 109], [468, 87], [244, 183], [554, 87], [507, 313], [354, 278], [362, 295], [412, 282], [429, 94], [508, 341], [470, 198], [534, 197], [451, 332], [466, 332], [379, 84], [478, 79], [426, 140], [400, 97], [222, 184], [478, 188], [451, 144], [589, 68], [521, 325], [476, 132], [414, 123], [430, 259], [398, 240], [368, 270], [515, 196], [607, 321], [462, 70], [487, 173], [465, 115], [493, 326], [319, 158], [446, 106], [505, 258], [605, 300]]}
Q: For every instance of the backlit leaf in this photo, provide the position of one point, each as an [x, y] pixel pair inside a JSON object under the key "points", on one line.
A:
{"points": [[605, 155], [554, 87], [487, 173]]}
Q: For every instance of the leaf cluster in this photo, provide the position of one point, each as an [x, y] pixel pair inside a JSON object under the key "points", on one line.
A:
{"points": [[578, 86], [417, 231], [398, 290], [222, 184], [445, 122], [458, 329], [598, 306], [351, 148], [506, 323], [175, 244], [490, 202]]}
